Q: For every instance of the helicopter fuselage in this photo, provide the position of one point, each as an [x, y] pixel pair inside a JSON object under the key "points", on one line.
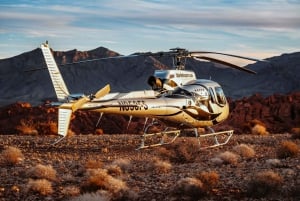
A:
{"points": [[199, 103]]}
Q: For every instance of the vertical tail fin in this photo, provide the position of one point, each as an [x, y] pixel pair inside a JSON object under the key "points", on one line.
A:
{"points": [[58, 83]]}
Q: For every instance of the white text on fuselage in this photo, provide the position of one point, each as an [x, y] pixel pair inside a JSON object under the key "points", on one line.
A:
{"points": [[126, 105], [183, 75]]}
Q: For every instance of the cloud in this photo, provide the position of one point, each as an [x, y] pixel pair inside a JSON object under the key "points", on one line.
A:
{"points": [[133, 25]]}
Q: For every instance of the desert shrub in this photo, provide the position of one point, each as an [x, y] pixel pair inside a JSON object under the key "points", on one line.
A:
{"points": [[287, 149], [98, 196], [100, 179], [181, 151], [274, 162], [190, 188], [259, 130], [295, 133], [27, 128], [11, 156], [264, 183], [217, 161], [124, 164], [47, 128], [70, 133], [43, 172], [41, 186], [71, 191], [228, 157], [114, 170], [244, 150], [160, 166], [93, 164], [53, 127], [99, 131], [209, 179]]}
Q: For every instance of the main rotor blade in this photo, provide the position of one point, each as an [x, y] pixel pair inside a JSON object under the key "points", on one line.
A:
{"points": [[197, 54], [224, 63], [98, 59]]}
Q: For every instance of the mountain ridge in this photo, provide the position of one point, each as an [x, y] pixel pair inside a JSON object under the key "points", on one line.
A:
{"points": [[281, 75]]}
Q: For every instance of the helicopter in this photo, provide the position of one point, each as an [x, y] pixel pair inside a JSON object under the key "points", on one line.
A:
{"points": [[177, 98]]}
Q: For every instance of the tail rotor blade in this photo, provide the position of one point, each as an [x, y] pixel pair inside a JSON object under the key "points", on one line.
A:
{"points": [[102, 92], [79, 103]]}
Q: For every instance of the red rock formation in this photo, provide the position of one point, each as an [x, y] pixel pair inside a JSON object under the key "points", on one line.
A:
{"points": [[278, 113]]}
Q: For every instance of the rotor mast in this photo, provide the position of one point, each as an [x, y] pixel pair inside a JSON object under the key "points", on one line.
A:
{"points": [[179, 58]]}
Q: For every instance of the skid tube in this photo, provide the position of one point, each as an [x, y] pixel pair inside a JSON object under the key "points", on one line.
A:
{"points": [[220, 138], [224, 137]]}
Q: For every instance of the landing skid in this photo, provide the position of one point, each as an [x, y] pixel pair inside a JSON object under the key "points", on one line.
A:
{"points": [[164, 137], [217, 138], [167, 137]]}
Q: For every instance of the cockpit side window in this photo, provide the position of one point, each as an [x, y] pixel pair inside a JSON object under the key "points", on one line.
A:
{"points": [[212, 95], [180, 91], [220, 96]]}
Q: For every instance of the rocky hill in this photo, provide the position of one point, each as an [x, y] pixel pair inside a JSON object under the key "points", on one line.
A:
{"points": [[277, 113], [280, 75]]}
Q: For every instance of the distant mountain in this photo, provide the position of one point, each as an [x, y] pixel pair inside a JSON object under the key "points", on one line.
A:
{"points": [[280, 75]]}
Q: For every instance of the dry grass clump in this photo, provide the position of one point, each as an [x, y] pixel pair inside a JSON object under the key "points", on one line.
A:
{"points": [[264, 183], [98, 196], [274, 162], [11, 156], [43, 172], [226, 157], [287, 149], [41, 186], [180, 151], [244, 151], [259, 129], [114, 170], [46, 128], [188, 189], [160, 166], [124, 164], [93, 164], [295, 133], [209, 179], [71, 191], [27, 128], [100, 179]]}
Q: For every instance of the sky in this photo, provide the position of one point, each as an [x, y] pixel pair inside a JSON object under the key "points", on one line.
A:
{"points": [[256, 28]]}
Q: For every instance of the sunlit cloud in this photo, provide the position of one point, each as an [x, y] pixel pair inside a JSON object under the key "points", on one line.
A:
{"points": [[130, 26]]}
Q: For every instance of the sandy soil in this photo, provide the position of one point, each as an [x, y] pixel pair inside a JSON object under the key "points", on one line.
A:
{"points": [[143, 179]]}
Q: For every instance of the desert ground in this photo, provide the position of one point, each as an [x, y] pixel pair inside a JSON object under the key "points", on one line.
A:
{"points": [[108, 167]]}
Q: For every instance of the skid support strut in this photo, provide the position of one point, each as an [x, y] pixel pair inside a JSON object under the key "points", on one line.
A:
{"points": [[210, 140], [163, 138], [218, 138]]}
